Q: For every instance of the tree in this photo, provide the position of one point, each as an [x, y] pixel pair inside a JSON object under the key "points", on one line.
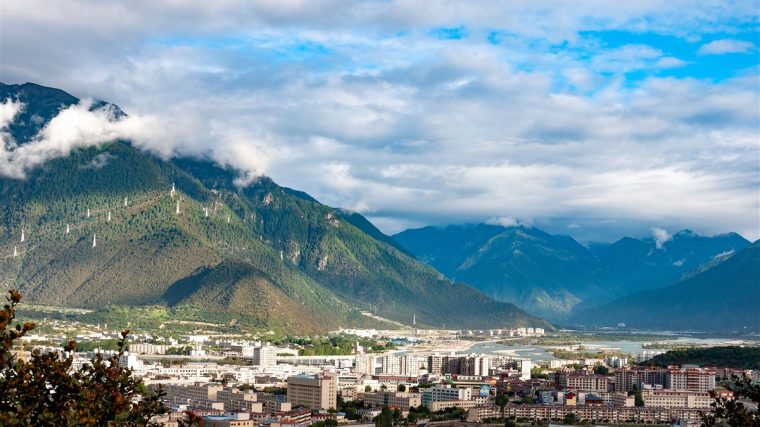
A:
{"points": [[401, 388], [501, 402], [638, 400], [385, 419], [396, 415], [367, 388], [45, 391], [510, 423], [570, 418], [731, 411], [412, 417], [601, 369]]}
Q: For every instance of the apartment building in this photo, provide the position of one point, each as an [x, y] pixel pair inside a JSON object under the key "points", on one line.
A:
{"points": [[445, 404], [265, 356], [628, 379], [315, 392], [476, 365], [676, 399], [690, 378], [235, 400], [401, 400], [584, 382], [599, 414], [198, 391], [445, 393], [148, 348], [368, 364], [407, 365]]}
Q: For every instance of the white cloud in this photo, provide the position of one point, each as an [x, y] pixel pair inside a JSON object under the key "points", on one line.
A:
{"points": [[80, 126], [660, 236], [504, 221], [723, 46], [382, 118], [669, 62]]}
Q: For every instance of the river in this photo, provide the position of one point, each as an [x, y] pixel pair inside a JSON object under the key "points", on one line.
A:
{"points": [[538, 353]]}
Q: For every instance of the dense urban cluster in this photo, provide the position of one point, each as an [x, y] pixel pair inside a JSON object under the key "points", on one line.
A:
{"points": [[233, 381]]}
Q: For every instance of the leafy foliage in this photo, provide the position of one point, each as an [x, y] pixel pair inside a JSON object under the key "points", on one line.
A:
{"points": [[336, 345], [46, 391], [732, 411]]}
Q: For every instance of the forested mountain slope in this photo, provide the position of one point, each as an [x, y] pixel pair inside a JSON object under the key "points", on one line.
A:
{"points": [[262, 254]]}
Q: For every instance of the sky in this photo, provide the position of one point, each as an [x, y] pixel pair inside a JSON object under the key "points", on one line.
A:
{"points": [[595, 119]]}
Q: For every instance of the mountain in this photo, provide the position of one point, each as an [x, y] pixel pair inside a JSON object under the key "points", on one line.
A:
{"points": [[554, 276], [643, 264], [543, 273], [724, 297], [261, 255]]}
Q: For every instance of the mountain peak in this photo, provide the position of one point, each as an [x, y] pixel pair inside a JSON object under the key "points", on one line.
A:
{"points": [[686, 233]]}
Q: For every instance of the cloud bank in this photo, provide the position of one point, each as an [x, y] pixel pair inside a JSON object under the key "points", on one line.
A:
{"points": [[600, 118], [81, 126]]}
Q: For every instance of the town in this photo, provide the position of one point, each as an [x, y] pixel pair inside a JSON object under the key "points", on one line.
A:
{"points": [[406, 375]]}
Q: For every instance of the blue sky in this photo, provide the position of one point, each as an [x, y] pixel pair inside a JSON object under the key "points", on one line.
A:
{"points": [[595, 119]]}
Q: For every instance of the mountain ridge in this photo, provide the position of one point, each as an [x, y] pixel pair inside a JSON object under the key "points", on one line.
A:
{"points": [[554, 275], [723, 297], [263, 254]]}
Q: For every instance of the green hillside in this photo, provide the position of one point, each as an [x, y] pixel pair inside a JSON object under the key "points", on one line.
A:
{"points": [[722, 357], [263, 255]]}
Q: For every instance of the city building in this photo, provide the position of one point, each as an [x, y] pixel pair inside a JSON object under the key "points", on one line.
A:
{"points": [[676, 399], [235, 400], [690, 378], [585, 382], [147, 348], [316, 392], [265, 355], [445, 393], [228, 420], [593, 414], [640, 378], [401, 400]]}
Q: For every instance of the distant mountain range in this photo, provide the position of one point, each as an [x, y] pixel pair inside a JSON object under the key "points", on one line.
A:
{"points": [[555, 276], [724, 297], [101, 228]]}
